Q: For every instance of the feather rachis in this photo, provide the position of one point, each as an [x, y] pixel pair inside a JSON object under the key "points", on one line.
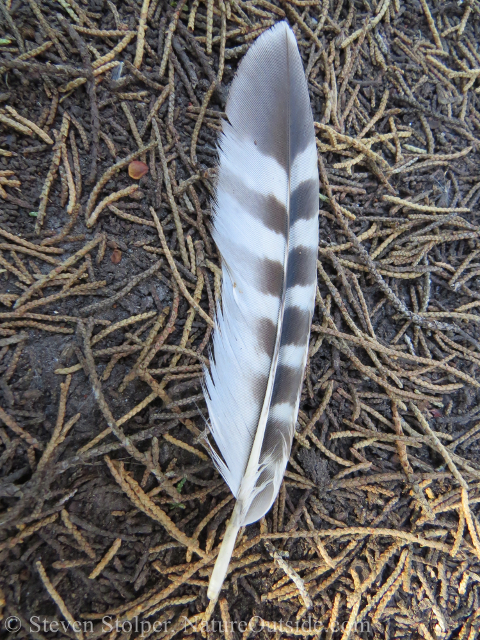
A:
{"points": [[266, 228]]}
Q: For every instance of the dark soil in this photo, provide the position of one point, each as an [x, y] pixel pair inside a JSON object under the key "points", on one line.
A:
{"points": [[377, 513]]}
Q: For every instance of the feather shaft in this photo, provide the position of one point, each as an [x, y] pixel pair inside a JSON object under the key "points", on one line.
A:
{"points": [[223, 559]]}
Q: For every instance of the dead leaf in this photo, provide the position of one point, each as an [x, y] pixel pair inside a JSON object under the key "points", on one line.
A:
{"points": [[116, 256], [137, 169]]}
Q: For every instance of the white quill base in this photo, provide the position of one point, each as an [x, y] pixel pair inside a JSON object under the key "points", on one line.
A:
{"points": [[223, 559]]}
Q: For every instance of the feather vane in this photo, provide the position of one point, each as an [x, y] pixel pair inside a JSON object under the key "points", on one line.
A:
{"points": [[266, 229]]}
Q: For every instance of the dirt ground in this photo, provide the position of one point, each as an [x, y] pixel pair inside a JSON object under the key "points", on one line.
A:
{"points": [[111, 511]]}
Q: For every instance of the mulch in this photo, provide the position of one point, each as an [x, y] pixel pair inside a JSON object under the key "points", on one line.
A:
{"points": [[112, 512]]}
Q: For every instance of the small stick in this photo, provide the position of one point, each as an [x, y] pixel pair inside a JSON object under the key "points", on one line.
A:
{"points": [[15, 125], [168, 39], [142, 27], [113, 197], [65, 231], [117, 49], [80, 130], [186, 447], [128, 216], [11, 24], [14, 361], [16, 428], [173, 204], [26, 278], [142, 77], [31, 125], [106, 559], [318, 413], [64, 186], [158, 103], [110, 144], [463, 22], [171, 100], [57, 598], [111, 172], [198, 124], [368, 25], [377, 116], [227, 621], [31, 54], [141, 500], [459, 534], [72, 193], [64, 387], [174, 269], [209, 26], [451, 465], [223, 39], [77, 534], [105, 304], [134, 129], [291, 573], [431, 24], [57, 155], [333, 616], [28, 531], [470, 522], [55, 272], [421, 207]]}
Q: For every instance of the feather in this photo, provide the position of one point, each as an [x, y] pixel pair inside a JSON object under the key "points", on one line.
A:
{"points": [[265, 226]]}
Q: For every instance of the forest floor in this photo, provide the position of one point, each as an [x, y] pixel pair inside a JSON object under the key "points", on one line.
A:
{"points": [[111, 511]]}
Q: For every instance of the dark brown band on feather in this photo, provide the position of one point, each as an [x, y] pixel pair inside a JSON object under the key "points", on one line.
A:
{"points": [[296, 326], [302, 263], [267, 332], [270, 276], [259, 387], [304, 201], [268, 209], [277, 432], [287, 384]]}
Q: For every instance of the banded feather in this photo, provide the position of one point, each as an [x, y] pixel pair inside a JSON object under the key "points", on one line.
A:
{"points": [[266, 229]]}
